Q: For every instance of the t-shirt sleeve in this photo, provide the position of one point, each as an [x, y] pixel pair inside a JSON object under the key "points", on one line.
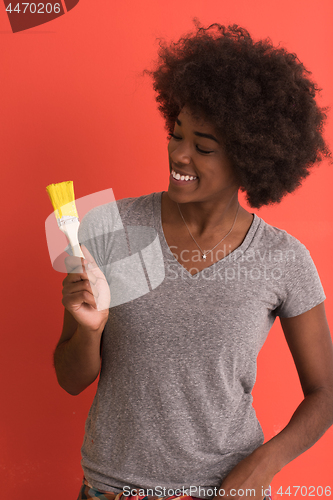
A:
{"points": [[302, 286], [101, 232], [91, 235]]}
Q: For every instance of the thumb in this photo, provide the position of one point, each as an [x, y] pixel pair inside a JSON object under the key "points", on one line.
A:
{"points": [[88, 257], [90, 261]]}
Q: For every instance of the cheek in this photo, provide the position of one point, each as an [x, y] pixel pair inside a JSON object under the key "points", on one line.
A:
{"points": [[171, 148], [170, 141], [224, 174]]}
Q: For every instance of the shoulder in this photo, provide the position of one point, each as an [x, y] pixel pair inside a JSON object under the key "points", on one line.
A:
{"points": [[279, 240], [296, 278], [116, 210], [138, 204]]}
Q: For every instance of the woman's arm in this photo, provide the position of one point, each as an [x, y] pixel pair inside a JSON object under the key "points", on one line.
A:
{"points": [[77, 357], [310, 343], [86, 297]]}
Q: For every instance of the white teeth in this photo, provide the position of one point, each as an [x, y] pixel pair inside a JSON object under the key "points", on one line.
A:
{"points": [[182, 177]]}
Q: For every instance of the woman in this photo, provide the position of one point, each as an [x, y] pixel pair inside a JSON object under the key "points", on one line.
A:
{"points": [[173, 408]]}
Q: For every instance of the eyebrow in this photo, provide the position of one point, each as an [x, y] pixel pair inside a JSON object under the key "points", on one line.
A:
{"points": [[200, 134]]}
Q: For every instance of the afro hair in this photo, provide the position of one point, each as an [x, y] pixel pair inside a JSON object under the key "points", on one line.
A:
{"points": [[258, 97]]}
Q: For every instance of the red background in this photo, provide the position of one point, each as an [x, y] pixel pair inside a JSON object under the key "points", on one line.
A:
{"points": [[74, 107]]}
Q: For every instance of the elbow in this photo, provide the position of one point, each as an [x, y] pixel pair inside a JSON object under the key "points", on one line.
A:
{"points": [[74, 389], [72, 392], [70, 388]]}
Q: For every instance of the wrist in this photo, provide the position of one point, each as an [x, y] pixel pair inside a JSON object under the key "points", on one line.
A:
{"points": [[268, 458], [89, 333]]}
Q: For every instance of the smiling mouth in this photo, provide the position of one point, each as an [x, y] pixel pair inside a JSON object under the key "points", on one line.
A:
{"points": [[182, 177]]}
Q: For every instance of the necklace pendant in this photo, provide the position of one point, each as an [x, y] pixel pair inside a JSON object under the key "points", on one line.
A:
{"points": [[204, 256]]}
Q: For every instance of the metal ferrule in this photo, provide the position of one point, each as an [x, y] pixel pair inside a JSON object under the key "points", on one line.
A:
{"points": [[66, 219]]}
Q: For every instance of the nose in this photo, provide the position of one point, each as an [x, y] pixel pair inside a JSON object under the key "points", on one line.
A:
{"points": [[181, 154]]}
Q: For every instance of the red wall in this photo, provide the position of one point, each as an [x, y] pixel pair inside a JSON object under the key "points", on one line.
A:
{"points": [[73, 106]]}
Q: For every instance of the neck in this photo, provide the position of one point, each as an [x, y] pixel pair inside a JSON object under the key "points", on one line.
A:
{"points": [[204, 218]]}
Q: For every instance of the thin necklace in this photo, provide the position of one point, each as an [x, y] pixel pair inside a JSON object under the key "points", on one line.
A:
{"points": [[204, 254]]}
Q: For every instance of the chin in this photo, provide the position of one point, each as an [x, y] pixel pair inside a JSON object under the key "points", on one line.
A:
{"points": [[179, 196]]}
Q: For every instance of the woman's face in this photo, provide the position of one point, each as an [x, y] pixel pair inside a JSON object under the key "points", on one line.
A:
{"points": [[195, 149]]}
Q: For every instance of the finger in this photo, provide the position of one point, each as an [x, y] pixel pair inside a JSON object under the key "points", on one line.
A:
{"points": [[90, 259], [74, 264], [92, 277], [73, 277], [94, 272], [77, 277], [92, 264], [78, 298], [80, 286]]}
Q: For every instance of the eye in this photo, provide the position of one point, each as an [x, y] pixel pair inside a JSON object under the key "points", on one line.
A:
{"points": [[174, 137], [204, 152]]}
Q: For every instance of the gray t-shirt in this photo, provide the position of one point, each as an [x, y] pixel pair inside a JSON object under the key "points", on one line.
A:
{"points": [[173, 407]]}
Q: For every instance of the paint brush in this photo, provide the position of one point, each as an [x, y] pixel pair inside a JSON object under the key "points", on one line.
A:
{"points": [[63, 201]]}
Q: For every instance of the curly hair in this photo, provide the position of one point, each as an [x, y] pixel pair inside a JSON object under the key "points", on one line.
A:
{"points": [[258, 97]]}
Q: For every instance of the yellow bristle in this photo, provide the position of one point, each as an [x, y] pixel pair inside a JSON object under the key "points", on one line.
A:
{"points": [[63, 199]]}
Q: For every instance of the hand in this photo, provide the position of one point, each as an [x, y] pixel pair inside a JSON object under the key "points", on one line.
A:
{"points": [[86, 293], [252, 473]]}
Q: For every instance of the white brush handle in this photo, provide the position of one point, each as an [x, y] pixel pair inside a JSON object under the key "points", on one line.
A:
{"points": [[70, 229]]}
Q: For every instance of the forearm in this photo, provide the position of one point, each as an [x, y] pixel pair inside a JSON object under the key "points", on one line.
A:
{"points": [[77, 360], [310, 421]]}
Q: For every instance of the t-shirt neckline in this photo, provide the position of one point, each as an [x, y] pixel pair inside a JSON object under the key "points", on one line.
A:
{"points": [[208, 272]]}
